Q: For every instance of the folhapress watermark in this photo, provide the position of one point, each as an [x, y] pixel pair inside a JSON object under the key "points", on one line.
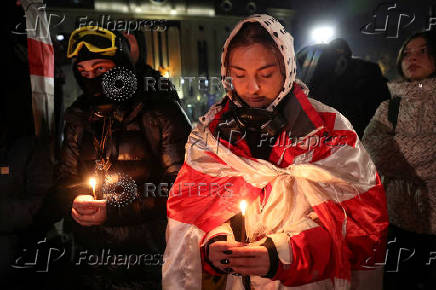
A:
{"points": [[105, 257], [127, 25]]}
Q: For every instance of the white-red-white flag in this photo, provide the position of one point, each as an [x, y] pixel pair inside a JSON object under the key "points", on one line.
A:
{"points": [[319, 200], [41, 65]]}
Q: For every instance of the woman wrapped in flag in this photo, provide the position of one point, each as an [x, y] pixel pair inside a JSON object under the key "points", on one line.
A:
{"points": [[316, 211]]}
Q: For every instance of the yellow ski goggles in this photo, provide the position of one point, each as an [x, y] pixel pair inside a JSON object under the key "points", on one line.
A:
{"points": [[96, 39]]}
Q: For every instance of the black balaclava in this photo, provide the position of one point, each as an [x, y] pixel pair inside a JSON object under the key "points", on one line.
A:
{"points": [[93, 86]]}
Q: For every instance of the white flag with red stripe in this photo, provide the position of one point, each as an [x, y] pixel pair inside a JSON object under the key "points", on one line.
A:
{"points": [[325, 212], [41, 65]]}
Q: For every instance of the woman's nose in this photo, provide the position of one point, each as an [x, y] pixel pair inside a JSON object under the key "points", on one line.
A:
{"points": [[253, 86], [411, 57]]}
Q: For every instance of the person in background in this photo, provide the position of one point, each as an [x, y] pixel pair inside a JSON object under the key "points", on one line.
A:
{"points": [[353, 86], [136, 140], [400, 139]]}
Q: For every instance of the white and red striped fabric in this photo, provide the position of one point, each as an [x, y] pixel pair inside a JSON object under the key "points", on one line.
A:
{"points": [[324, 206], [41, 65]]}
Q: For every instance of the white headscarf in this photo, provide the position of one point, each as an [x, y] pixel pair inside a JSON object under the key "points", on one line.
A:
{"points": [[285, 44]]}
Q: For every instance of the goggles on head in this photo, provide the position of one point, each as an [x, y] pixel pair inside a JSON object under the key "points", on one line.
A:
{"points": [[96, 39]]}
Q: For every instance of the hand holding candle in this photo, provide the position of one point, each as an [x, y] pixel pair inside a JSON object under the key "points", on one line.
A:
{"points": [[241, 258], [87, 211]]}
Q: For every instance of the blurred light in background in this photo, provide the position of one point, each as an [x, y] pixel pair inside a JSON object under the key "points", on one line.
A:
{"points": [[60, 37], [322, 34]]}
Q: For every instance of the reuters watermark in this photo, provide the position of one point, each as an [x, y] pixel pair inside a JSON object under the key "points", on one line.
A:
{"points": [[201, 83], [201, 189]]}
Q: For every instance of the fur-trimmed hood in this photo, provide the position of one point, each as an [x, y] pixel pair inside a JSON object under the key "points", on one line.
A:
{"points": [[414, 89]]}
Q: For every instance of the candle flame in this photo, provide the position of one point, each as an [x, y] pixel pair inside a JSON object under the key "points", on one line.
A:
{"points": [[243, 206], [92, 182]]}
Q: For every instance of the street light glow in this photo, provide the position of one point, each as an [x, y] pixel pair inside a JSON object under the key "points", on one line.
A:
{"points": [[322, 34]]}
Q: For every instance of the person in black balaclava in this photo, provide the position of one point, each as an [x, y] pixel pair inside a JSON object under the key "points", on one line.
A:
{"points": [[132, 143]]}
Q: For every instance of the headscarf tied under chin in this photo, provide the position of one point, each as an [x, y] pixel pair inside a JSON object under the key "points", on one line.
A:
{"points": [[285, 44]]}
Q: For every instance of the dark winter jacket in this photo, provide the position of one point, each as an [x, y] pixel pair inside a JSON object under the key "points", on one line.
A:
{"points": [[147, 144]]}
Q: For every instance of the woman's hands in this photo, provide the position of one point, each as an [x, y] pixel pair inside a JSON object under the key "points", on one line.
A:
{"points": [[87, 211], [244, 259]]}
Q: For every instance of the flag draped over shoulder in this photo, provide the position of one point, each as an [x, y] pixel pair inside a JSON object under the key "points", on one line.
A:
{"points": [[41, 65], [338, 193]]}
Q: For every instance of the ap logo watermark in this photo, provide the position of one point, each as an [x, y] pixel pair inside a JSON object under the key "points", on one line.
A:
{"points": [[53, 20], [38, 259], [388, 19]]}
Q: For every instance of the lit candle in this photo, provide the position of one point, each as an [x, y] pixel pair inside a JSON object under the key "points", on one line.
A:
{"points": [[92, 183], [243, 207]]}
